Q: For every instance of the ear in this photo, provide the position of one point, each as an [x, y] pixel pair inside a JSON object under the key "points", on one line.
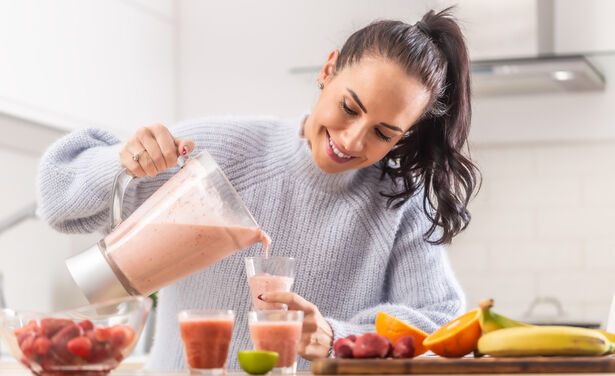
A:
{"points": [[327, 71]]}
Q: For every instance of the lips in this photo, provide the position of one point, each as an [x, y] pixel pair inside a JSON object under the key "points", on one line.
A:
{"points": [[333, 151]]}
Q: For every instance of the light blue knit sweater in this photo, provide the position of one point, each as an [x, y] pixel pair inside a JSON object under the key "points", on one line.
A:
{"points": [[355, 256]]}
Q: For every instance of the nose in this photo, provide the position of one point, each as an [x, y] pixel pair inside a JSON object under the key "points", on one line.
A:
{"points": [[353, 139]]}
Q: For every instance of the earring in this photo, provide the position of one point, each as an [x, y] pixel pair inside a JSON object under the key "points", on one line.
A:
{"points": [[320, 85]]}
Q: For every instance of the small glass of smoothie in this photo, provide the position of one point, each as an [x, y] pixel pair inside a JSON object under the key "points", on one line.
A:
{"points": [[278, 331], [206, 335], [269, 274]]}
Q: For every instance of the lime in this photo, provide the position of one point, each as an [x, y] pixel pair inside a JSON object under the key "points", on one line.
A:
{"points": [[257, 362]]}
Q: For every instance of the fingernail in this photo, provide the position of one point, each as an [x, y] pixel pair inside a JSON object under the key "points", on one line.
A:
{"points": [[184, 151], [261, 297]]}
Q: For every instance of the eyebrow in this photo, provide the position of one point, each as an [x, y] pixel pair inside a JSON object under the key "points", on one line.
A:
{"points": [[356, 98]]}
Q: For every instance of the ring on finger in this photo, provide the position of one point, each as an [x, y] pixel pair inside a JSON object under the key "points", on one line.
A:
{"points": [[135, 156]]}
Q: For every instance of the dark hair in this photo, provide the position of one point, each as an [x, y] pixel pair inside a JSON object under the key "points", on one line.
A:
{"points": [[431, 153]]}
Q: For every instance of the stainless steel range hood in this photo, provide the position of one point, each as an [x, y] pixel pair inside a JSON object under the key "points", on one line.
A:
{"points": [[546, 74]]}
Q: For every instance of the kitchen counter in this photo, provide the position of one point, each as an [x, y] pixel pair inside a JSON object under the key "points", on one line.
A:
{"points": [[14, 369], [129, 372], [132, 366], [9, 367]]}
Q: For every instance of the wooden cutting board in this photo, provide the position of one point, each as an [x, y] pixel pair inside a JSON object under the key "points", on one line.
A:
{"points": [[438, 365]]}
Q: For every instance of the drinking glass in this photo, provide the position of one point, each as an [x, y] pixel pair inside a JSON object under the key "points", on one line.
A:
{"points": [[279, 331], [206, 335], [267, 274]]}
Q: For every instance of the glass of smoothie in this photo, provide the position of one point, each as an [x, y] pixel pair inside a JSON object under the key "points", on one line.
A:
{"points": [[269, 274], [206, 335], [277, 331]]}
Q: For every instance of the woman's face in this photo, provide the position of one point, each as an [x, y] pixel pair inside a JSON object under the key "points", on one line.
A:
{"points": [[362, 112]]}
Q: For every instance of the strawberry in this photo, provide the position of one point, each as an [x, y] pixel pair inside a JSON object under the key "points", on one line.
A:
{"points": [[371, 345], [86, 325], [118, 337], [122, 335], [42, 345], [91, 335], [50, 326], [27, 346], [404, 347], [23, 335], [61, 338], [343, 348], [80, 346], [102, 334], [32, 327], [98, 352]]}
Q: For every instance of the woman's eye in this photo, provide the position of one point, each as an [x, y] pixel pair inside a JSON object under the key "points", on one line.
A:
{"points": [[382, 136], [346, 108], [350, 112]]}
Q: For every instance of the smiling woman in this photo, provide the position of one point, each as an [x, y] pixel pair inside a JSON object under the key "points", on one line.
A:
{"points": [[422, 84], [363, 191]]}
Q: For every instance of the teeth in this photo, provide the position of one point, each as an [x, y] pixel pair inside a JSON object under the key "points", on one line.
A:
{"points": [[337, 152]]}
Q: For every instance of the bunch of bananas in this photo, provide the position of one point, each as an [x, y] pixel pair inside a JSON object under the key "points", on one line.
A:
{"points": [[505, 337]]}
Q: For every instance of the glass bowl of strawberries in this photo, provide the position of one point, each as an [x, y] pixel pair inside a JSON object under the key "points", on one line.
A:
{"points": [[88, 340]]}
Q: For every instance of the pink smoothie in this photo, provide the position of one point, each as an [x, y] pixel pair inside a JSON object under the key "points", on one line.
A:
{"points": [[279, 336], [206, 341], [154, 255], [264, 282]]}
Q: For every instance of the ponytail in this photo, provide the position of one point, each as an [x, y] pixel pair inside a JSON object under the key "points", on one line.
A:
{"points": [[432, 154]]}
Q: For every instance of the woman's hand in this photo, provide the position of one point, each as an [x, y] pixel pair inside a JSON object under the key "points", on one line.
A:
{"points": [[317, 337], [154, 149]]}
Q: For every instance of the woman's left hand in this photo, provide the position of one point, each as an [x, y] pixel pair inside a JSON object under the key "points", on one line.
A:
{"points": [[317, 337]]}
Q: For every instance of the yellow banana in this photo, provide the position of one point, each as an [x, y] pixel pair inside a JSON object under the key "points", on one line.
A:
{"points": [[490, 321], [610, 337], [544, 341]]}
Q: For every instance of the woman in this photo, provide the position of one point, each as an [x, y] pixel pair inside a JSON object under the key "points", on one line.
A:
{"points": [[363, 191]]}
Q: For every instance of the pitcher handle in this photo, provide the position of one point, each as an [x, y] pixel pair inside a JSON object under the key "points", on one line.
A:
{"points": [[121, 181]]}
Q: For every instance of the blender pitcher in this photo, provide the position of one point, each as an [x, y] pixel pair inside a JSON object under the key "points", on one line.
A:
{"points": [[193, 220]]}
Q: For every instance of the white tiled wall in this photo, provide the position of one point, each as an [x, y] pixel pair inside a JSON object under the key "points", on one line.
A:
{"points": [[543, 226]]}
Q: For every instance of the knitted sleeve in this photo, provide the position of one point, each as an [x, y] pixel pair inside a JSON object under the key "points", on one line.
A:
{"points": [[75, 177], [421, 288], [74, 180]]}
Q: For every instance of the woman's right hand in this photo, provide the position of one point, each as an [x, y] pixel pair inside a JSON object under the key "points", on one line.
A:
{"points": [[156, 148]]}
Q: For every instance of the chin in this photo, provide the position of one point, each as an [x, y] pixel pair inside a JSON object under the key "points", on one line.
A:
{"points": [[330, 168], [321, 163]]}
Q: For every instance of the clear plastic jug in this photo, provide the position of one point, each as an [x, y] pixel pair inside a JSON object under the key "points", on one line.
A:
{"points": [[192, 221]]}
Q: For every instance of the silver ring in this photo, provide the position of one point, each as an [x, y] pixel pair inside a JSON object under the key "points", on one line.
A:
{"points": [[135, 156]]}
